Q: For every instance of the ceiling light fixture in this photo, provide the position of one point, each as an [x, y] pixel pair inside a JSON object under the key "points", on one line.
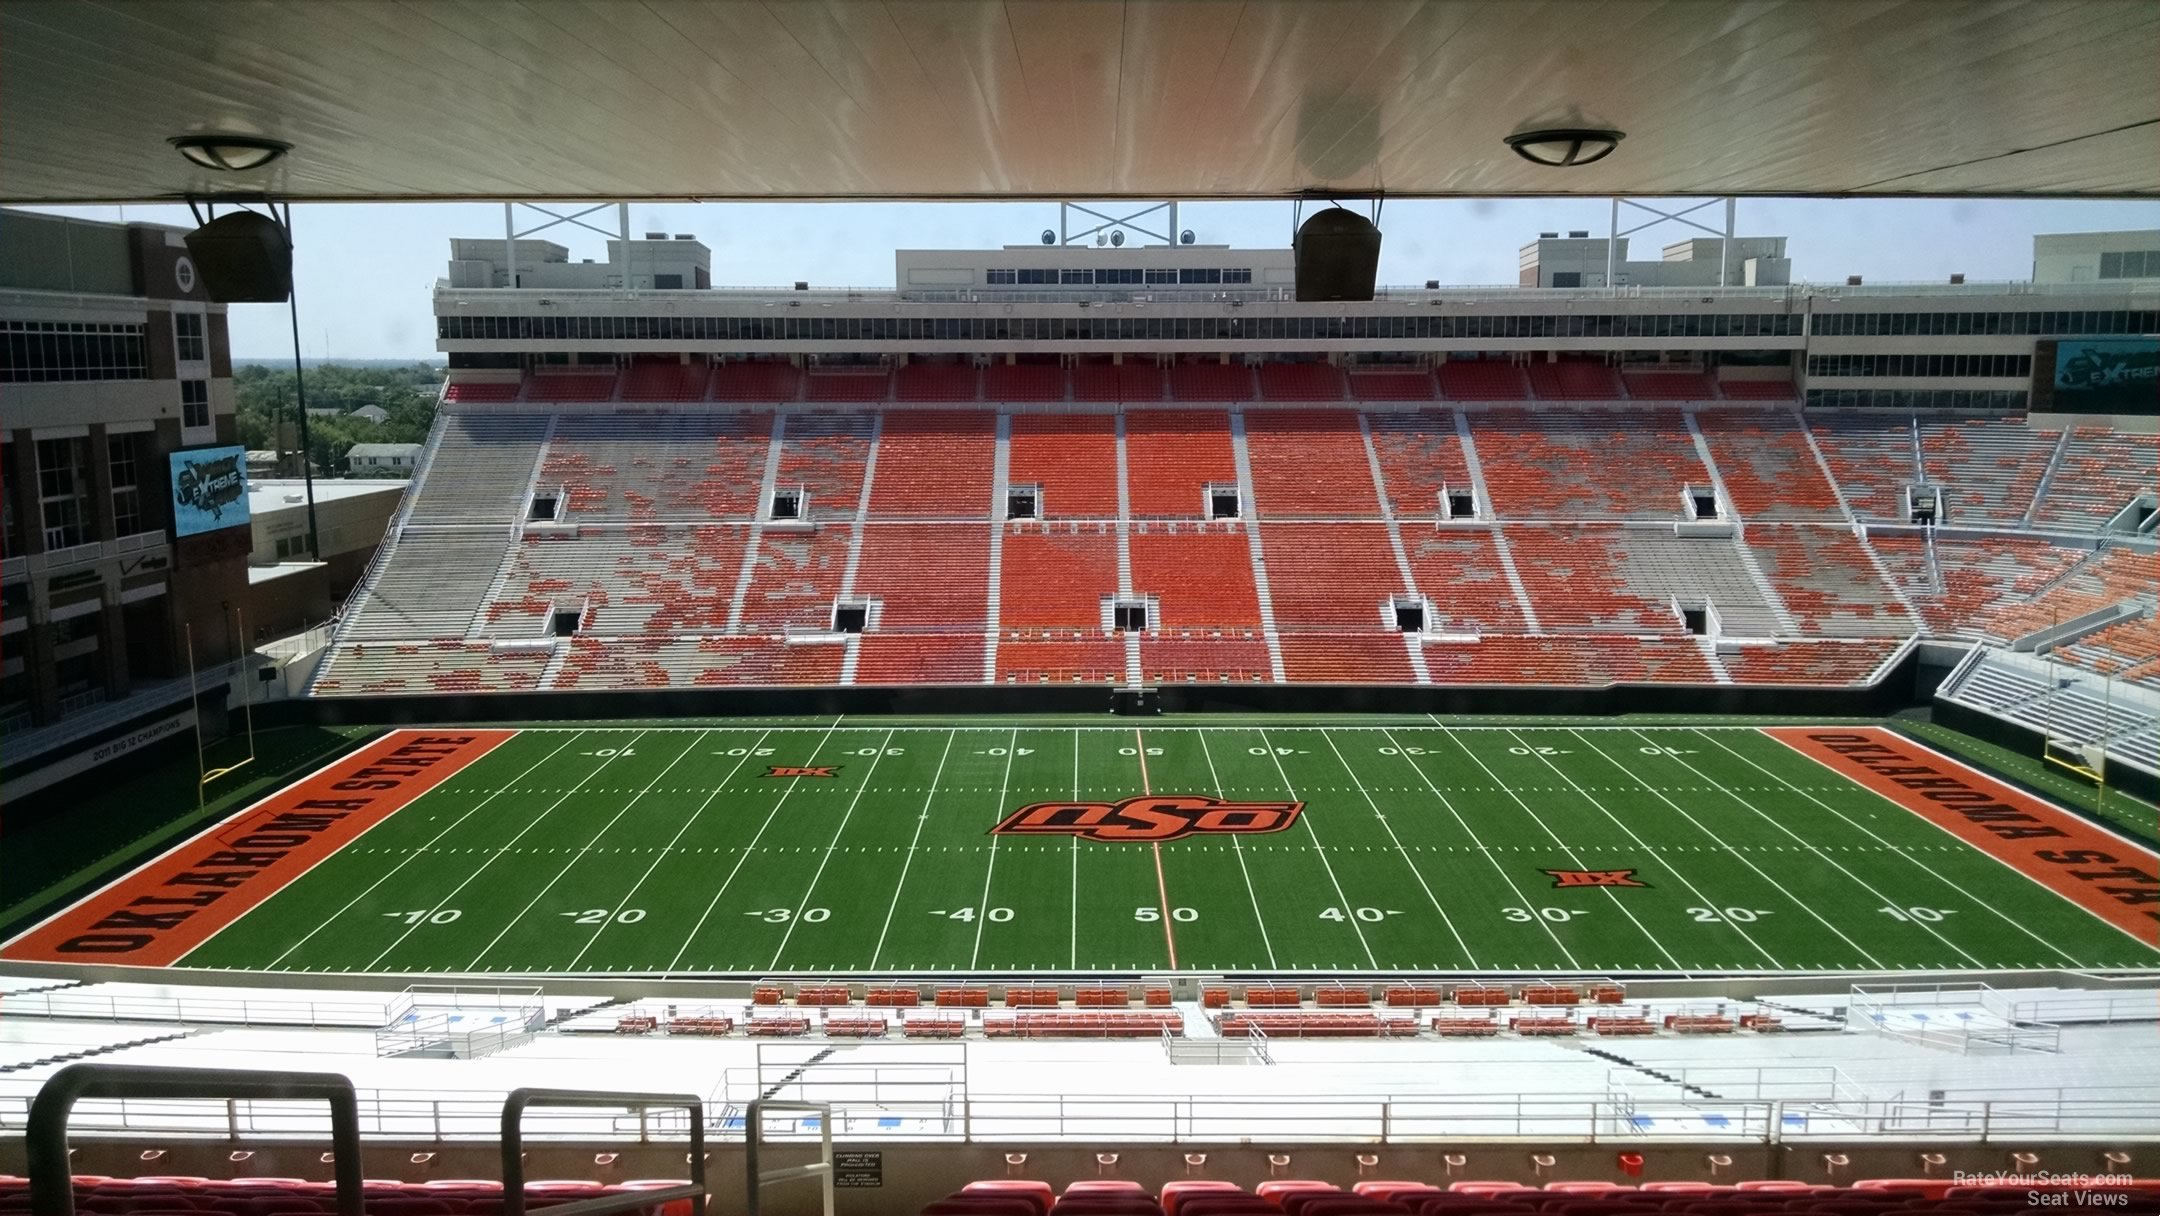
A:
{"points": [[229, 153], [1565, 147]]}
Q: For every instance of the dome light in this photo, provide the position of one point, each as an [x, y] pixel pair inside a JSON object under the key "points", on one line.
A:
{"points": [[1565, 147], [229, 153]]}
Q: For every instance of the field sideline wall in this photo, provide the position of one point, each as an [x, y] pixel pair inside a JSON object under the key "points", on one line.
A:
{"points": [[1909, 682]]}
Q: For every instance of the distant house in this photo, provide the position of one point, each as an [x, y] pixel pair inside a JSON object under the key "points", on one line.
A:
{"points": [[382, 459], [373, 413]]}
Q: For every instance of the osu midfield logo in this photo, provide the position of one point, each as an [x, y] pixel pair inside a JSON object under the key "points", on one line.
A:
{"points": [[1153, 818]]}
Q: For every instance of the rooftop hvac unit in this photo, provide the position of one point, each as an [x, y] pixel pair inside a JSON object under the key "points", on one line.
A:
{"points": [[656, 236], [1579, 234]]}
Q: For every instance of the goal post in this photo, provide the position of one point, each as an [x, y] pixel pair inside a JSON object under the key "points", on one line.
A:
{"points": [[2086, 760]]}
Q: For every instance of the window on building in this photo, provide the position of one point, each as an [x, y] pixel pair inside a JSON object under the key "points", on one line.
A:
{"points": [[126, 496], [1004, 276], [189, 346], [63, 490], [1156, 275], [667, 282], [194, 403], [38, 351], [1076, 276], [1240, 274], [1200, 274]]}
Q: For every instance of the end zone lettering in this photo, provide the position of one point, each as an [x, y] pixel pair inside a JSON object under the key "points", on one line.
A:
{"points": [[1152, 818], [2108, 875], [155, 915]]}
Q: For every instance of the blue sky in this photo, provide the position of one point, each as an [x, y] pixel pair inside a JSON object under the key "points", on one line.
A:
{"points": [[365, 271]]}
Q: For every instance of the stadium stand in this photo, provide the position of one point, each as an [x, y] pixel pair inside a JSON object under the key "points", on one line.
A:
{"points": [[756, 381], [1668, 385], [1420, 454], [1387, 382], [1482, 380], [1989, 470], [1574, 380], [1767, 466], [2100, 471], [1172, 457], [1018, 382], [1873, 458], [1071, 459], [671, 380], [1828, 581], [1586, 464]]}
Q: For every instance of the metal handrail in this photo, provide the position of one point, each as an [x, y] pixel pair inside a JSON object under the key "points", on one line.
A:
{"points": [[513, 1150], [45, 1139], [753, 1131]]}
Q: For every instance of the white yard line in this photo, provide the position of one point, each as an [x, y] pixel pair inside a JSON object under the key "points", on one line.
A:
{"points": [[751, 848], [1235, 847], [1499, 869], [1738, 856], [497, 853], [588, 846], [907, 863], [662, 855], [1075, 945], [416, 854], [982, 907], [1389, 828], [1937, 875], [1349, 909], [1572, 856]]}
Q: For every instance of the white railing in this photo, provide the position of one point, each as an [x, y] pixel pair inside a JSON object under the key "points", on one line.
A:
{"points": [[197, 1010], [477, 1115]]}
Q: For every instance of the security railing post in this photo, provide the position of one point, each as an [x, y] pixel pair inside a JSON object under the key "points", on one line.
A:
{"points": [[232, 1118], [1987, 1111]]}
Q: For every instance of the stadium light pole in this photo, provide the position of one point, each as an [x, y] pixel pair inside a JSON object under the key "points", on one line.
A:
{"points": [[307, 462]]}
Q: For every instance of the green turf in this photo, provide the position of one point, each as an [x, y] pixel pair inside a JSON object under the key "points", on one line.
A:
{"points": [[1422, 848]]}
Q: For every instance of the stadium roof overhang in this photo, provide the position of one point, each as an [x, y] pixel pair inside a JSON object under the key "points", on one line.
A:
{"points": [[556, 99]]}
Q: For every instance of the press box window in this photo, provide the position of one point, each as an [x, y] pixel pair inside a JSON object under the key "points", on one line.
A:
{"points": [[194, 403]]}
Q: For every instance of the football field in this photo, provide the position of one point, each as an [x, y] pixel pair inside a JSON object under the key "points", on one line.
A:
{"points": [[1016, 847]]}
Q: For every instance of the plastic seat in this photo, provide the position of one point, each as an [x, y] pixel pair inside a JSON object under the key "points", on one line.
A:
{"points": [[1104, 1186], [1488, 1188], [1225, 1204], [1395, 1191], [1178, 1191], [980, 1205], [1032, 1190]]}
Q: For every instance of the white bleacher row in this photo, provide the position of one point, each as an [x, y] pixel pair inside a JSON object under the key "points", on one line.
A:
{"points": [[467, 569], [2061, 704]]}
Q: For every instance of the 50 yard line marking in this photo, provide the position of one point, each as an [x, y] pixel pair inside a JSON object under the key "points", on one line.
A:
{"points": [[1162, 889]]}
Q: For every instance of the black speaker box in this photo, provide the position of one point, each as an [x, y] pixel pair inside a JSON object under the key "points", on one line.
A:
{"points": [[242, 259], [1338, 256]]}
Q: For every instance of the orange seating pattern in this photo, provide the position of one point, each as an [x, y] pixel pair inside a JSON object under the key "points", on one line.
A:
{"points": [[669, 381], [914, 658], [1976, 574], [928, 577], [1827, 581], [1687, 385], [1072, 457], [1834, 663], [596, 385], [1129, 1025], [2100, 471], [1574, 464], [847, 384], [936, 382], [1419, 453], [1024, 382], [1345, 658], [1076, 659], [1482, 380], [1574, 380], [795, 578], [935, 464], [1312, 381], [1309, 463], [1319, 1025], [756, 380], [1766, 465], [1392, 384], [1210, 382], [1170, 458], [483, 392], [1057, 575], [1459, 571], [1201, 574], [1757, 390], [1872, 457]]}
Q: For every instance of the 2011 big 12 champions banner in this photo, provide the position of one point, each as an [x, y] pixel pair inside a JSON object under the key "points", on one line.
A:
{"points": [[209, 489]]}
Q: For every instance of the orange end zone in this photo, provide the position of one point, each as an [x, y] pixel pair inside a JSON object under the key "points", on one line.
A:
{"points": [[158, 912], [2106, 875]]}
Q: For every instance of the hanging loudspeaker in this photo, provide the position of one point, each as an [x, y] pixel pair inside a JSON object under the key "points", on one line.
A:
{"points": [[1338, 256], [242, 258]]}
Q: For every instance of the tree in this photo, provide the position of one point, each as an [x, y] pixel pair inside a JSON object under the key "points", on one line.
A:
{"points": [[263, 397]]}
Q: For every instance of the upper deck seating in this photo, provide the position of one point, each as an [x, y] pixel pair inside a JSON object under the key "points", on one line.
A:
{"points": [[1458, 570], [1211, 381], [1309, 464], [1072, 458], [481, 468], [2101, 471], [671, 381], [1201, 575], [1767, 467], [847, 384], [665, 467], [483, 391], [1594, 578], [795, 579], [1756, 390], [937, 382], [1057, 575], [756, 380], [1684, 385], [1171, 456], [1574, 380], [927, 578], [935, 465], [1300, 382], [1482, 380], [1025, 382], [1586, 464], [1382, 383], [584, 384], [1988, 469], [1420, 454], [826, 457], [1872, 457]]}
